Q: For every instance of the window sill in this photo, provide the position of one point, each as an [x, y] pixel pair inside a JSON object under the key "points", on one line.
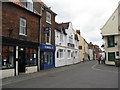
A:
{"points": [[7, 68], [48, 22], [48, 44], [31, 65], [22, 34]]}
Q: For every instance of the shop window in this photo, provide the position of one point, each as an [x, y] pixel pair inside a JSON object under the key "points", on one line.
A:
{"points": [[7, 57], [31, 57], [111, 56], [48, 58]]}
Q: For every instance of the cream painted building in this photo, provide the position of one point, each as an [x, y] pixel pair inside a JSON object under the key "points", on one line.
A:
{"points": [[83, 47], [111, 37]]}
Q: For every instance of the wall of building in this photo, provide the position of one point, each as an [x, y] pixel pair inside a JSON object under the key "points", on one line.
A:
{"points": [[111, 49], [81, 43], [91, 53], [8, 73], [111, 26], [11, 19]]}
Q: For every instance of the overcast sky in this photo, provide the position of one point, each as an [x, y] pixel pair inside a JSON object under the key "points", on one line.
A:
{"points": [[88, 16]]}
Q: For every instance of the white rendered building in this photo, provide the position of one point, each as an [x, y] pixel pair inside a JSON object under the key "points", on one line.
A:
{"points": [[66, 42]]}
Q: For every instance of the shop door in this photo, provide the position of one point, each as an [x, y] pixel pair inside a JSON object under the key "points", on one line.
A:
{"points": [[21, 62]]}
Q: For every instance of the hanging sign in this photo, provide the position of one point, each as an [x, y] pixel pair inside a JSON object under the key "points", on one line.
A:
{"points": [[46, 30]]}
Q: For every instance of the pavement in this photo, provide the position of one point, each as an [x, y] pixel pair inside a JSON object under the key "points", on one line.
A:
{"points": [[83, 75]]}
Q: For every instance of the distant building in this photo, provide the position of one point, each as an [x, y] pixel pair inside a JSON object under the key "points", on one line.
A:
{"points": [[91, 51], [83, 47], [111, 37]]}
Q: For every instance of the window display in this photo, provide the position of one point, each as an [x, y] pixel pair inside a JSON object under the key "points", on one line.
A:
{"points": [[7, 56], [31, 57]]}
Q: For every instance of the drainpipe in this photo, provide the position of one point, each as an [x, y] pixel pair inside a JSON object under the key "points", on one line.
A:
{"points": [[40, 40]]}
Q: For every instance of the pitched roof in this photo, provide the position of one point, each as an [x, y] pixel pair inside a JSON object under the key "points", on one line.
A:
{"points": [[17, 2], [41, 2], [62, 26]]}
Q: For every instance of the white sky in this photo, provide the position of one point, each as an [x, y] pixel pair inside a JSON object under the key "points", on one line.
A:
{"points": [[88, 16]]}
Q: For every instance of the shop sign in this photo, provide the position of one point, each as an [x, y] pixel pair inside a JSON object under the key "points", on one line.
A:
{"points": [[46, 30], [47, 47]]}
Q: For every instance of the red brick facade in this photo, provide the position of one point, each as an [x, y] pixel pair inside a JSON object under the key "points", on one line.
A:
{"points": [[37, 7], [11, 15]]}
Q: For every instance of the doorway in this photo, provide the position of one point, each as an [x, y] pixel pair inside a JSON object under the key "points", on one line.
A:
{"points": [[21, 62]]}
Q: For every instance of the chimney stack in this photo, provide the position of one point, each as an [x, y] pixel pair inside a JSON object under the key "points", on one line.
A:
{"points": [[78, 31]]}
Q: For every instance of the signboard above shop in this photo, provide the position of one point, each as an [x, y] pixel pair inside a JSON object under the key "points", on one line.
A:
{"points": [[47, 47], [46, 30]]}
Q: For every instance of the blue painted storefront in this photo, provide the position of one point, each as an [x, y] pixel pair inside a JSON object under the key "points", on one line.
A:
{"points": [[47, 56]]}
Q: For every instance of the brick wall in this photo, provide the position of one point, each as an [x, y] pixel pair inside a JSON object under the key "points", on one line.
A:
{"points": [[11, 14], [37, 7]]}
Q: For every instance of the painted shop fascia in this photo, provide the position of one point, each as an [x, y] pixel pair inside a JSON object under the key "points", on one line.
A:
{"points": [[47, 53], [20, 40]]}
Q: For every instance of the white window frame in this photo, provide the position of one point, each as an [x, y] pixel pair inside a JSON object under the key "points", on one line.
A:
{"points": [[48, 17], [69, 53], [22, 32], [61, 53], [30, 6], [61, 37], [49, 37]]}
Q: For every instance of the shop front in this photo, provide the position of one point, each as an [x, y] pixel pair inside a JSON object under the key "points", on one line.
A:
{"points": [[18, 57], [47, 56]]}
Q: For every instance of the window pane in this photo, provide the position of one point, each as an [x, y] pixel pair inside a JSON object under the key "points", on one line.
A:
{"points": [[111, 56], [7, 56], [22, 26]]}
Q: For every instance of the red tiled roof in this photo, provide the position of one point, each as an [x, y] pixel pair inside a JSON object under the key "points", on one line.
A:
{"points": [[21, 5], [17, 3]]}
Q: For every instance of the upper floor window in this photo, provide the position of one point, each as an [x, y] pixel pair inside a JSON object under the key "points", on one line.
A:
{"points": [[22, 26], [48, 17], [61, 37], [48, 36], [28, 4], [111, 41]]}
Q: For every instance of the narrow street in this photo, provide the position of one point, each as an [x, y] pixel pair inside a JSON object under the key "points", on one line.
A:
{"points": [[82, 75]]}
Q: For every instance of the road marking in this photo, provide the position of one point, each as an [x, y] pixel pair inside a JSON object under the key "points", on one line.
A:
{"points": [[94, 68]]}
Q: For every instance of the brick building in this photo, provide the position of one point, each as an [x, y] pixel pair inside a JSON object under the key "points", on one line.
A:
{"points": [[20, 38], [47, 40]]}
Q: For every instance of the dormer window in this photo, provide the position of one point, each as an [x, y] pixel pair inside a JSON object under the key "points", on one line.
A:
{"points": [[30, 5]]}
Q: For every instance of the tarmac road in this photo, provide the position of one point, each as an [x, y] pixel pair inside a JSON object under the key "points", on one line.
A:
{"points": [[82, 75]]}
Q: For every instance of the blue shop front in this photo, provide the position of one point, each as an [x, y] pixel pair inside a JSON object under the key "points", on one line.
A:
{"points": [[47, 56]]}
